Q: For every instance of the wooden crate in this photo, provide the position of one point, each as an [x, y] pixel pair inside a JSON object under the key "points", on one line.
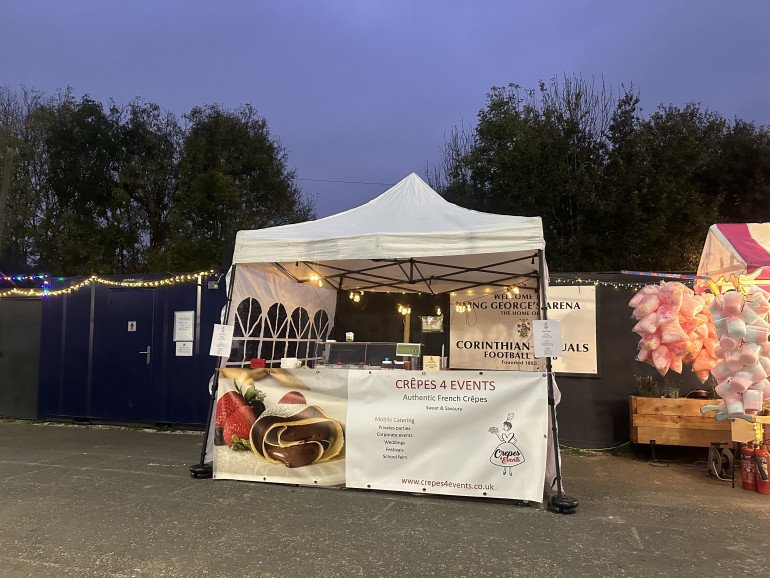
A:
{"points": [[675, 422]]}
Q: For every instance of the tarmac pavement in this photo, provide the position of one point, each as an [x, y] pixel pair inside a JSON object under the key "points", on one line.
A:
{"points": [[105, 501]]}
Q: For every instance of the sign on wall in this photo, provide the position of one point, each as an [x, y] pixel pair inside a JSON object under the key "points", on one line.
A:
{"points": [[496, 332], [575, 307]]}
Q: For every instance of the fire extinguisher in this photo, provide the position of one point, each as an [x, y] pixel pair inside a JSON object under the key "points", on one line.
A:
{"points": [[761, 458], [748, 468]]}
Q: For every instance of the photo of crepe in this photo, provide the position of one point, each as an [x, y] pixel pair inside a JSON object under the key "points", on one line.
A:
{"points": [[294, 434]]}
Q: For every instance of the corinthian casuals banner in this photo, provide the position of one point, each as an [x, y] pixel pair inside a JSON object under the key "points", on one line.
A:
{"points": [[464, 433], [575, 307], [495, 333]]}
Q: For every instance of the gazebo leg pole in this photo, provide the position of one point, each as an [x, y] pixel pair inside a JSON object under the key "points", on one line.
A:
{"points": [[204, 469], [560, 501]]}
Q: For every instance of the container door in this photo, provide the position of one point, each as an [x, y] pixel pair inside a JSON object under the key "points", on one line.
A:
{"points": [[131, 356]]}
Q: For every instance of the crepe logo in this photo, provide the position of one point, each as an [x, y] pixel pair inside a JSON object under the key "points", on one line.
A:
{"points": [[294, 434], [506, 454]]}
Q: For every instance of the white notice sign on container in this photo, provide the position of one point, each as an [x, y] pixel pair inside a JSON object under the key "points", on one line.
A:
{"points": [[184, 348], [547, 337], [222, 340], [184, 325]]}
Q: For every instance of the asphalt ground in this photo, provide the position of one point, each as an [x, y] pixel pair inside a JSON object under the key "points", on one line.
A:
{"points": [[105, 501]]}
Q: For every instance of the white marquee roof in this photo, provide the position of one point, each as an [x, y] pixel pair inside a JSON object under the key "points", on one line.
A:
{"points": [[408, 238]]}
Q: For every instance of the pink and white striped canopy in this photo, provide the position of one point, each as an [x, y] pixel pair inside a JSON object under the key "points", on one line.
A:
{"points": [[736, 249]]}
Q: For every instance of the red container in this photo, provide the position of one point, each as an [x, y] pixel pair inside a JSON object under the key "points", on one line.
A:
{"points": [[761, 459], [257, 362], [748, 468]]}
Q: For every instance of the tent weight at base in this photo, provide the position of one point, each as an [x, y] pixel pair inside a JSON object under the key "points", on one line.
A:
{"points": [[200, 471], [563, 504]]}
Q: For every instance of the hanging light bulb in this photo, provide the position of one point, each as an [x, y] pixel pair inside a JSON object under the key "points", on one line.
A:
{"points": [[438, 310]]}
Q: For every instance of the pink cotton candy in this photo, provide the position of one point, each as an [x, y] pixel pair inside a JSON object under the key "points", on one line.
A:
{"points": [[720, 324], [672, 333], [756, 334], [716, 306], [736, 328], [692, 304], [749, 353], [739, 383], [758, 300], [667, 315], [703, 362], [732, 359], [679, 349], [724, 388], [661, 359], [733, 405], [752, 401], [728, 344], [648, 324], [754, 373], [694, 347], [701, 331], [721, 372], [749, 316], [651, 341], [672, 294], [637, 299], [733, 302], [649, 304]]}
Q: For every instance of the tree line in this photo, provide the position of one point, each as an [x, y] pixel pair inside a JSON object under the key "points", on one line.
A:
{"points": [[133, 188], [616, 189]]}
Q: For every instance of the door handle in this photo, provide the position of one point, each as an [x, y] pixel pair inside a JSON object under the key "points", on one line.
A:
{"points": [[147, 353]]}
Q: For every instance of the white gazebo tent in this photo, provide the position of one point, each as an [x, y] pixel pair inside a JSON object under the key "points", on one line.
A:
{"points": [[408, 239]]}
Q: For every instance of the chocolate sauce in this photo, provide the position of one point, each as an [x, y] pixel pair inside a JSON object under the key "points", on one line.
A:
{"points": [[295, 456]]}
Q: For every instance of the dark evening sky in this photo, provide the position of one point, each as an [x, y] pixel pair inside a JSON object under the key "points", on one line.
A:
{"points": [[367, 90]]}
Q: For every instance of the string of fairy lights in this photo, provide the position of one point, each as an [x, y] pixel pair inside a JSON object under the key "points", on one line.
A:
{"points": [[47, 291]]}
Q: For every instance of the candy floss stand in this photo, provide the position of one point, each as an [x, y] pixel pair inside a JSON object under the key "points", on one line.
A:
{"points": [[735, 262], [407, 240]]}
